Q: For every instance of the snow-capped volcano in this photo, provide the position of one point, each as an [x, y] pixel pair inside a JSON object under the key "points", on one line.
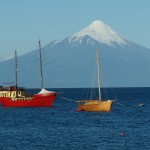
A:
{"points": [[100, 32], [71, 62]]}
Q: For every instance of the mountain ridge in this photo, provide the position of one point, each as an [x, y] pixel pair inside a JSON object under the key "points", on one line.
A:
{"points": [[70, 64]]}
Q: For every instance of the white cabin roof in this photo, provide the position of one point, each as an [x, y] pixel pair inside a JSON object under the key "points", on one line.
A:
{"points": [[43, 91]]}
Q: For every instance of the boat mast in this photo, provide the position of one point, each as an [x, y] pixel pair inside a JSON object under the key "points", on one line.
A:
{"points": [[40, 51], [16, 68], [98, 67]]}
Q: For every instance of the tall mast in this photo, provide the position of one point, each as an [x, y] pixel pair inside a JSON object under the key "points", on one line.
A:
{"points": [[40, 51], [98, 68], [16, 68]]}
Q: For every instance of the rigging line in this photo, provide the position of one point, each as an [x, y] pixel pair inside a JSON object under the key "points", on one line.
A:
{"points": [[93, 94], [92, 79], [66, 98], [104, 83], [105, 86], [112, 89]]}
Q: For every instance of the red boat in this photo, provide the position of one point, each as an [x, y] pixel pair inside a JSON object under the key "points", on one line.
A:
{"points": [[13, 96]]}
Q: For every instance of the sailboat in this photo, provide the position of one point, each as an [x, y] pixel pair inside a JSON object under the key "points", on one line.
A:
{"points": [[95, 105], [14, 96]]}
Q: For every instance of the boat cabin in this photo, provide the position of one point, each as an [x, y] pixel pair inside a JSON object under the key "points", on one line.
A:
{"points": [[11, 92]]}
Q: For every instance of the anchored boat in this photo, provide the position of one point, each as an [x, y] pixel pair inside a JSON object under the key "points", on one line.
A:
{"points": [[95, 105], [15, 96]]}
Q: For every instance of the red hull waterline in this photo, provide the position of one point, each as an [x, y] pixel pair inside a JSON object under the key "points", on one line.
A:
{"points": [[38, 100]]}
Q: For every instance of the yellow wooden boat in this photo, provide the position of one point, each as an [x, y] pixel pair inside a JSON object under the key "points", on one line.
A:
{"points": [[95, 105]]}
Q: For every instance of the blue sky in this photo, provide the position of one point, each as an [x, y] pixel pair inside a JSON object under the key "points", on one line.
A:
{"points": [[23, 22]]}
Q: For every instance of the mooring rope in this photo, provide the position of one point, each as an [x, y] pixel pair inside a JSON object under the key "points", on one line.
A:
{"points": [[66, 98], [129, 106], [119, 104]]}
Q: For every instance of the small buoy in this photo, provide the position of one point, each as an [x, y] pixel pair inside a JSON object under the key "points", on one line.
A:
{"points": [[79, 109], [122, 134], [141, 104]]}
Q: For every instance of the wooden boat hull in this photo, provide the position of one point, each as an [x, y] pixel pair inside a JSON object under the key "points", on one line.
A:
{"points": [[95, 105], [38, 100]]}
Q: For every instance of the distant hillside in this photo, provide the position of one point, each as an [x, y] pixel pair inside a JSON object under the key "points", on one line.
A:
{"points": [[72, 61]]}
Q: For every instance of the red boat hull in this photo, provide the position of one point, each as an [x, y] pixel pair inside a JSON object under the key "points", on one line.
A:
{"points": [[38, 100]]}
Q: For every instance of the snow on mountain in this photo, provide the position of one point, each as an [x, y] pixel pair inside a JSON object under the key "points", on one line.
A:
{"points": [[100, 32]]}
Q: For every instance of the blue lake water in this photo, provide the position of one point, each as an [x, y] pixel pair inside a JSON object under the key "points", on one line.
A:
{"points": [[126, 127]]}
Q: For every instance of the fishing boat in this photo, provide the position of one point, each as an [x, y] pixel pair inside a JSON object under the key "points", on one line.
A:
{"points": [[14, 96], [98, 105]]}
